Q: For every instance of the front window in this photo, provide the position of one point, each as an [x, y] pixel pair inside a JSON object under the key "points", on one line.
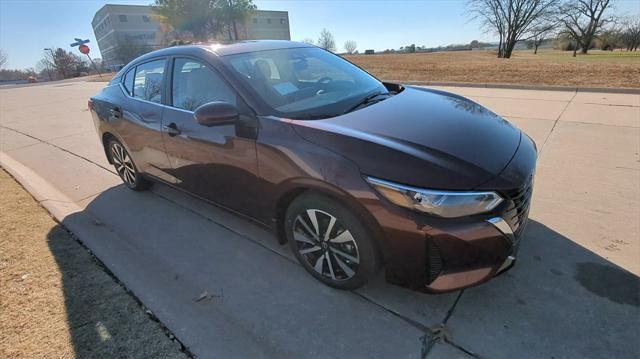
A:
{"points": [[194, 85], [304, 83]]}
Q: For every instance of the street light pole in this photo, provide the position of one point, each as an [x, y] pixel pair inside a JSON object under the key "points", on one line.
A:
{"points": [[46, 66]]}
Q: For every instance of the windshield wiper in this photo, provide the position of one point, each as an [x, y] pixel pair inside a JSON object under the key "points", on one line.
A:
{"points": [[366, 101], [313, 116]]}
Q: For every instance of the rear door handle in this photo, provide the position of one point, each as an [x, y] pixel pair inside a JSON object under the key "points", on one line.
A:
{"points": [[116, 112], [171, 129]]}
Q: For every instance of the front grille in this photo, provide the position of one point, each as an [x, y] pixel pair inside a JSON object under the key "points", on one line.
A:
{"points": [[517, 213]]}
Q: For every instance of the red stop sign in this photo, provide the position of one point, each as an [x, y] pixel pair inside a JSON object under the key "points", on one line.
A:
{"points": [[84, 49]]}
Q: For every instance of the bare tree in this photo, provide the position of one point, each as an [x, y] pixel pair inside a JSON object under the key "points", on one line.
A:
{"points": [[308, 41], [233, 12], [3, 59], [541, 32], [129, 51], [326, 41], [630, 35], [609, 39], [44, 67], [511, 19], [350, 46], [584, 20]]}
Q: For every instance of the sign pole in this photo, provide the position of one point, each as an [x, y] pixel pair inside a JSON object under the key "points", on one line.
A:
{"points": [[85, 50], [94, 66]]}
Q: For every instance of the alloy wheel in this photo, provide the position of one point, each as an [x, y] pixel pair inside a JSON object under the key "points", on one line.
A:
{"points": [[326, 245], [124, 165]]}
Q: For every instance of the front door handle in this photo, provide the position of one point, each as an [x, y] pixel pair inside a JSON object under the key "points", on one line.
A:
{"points": [[171, 129]]}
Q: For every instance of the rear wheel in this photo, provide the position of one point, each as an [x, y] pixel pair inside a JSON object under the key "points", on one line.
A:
{"points": [[330, 242], [125, 167]]}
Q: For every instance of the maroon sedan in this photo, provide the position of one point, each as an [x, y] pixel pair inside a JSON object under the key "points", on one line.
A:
{"points": [[355, 174]]}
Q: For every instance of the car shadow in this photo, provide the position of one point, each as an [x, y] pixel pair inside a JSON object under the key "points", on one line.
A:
{"points": [[592, 272], [103, 320], [556, 286], [560, 300]]}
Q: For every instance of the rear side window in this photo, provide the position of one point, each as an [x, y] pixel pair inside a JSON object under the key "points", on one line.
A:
{"points": [[149, 80], [127, 82], [194, 85]]}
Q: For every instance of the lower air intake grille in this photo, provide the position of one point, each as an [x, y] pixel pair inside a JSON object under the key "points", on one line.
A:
{"points": [[434, 262], [518, 212]]}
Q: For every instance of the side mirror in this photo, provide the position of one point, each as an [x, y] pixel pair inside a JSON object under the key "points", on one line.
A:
{"points": [[216, 114]]}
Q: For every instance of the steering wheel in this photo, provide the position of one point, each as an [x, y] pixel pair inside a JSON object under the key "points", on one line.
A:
{"points": [[324, 80]]}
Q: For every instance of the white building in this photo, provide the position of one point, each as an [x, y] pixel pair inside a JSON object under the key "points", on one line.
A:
{"points": [[123, 29]]}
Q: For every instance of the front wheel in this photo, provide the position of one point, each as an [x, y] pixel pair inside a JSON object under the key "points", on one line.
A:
{"points": [[125, 167], [330, 242]]}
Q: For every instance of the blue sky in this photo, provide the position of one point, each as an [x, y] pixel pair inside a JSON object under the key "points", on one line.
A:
{"points": [[28, 26]]}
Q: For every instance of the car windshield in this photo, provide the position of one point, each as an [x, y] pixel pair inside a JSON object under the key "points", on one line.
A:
{"points": [[304, 83]]}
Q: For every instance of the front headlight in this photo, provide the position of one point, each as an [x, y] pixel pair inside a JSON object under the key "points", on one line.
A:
{"points": [[446, 204]]}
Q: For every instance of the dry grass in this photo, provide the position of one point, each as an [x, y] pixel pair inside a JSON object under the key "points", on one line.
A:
{"points": [[598, 69], [55, 300], [102, 77]]}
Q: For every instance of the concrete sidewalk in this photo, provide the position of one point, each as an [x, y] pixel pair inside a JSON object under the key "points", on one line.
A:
{"points": [[574, 292]]}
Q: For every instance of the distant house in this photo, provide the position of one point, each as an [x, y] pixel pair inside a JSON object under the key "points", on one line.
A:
{"points": [[118, 27]]}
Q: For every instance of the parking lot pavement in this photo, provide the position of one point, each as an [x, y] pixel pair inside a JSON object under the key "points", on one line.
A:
{"points": [[224, 287]]}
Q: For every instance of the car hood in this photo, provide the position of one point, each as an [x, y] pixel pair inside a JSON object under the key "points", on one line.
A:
{"points": [[421, 137]]}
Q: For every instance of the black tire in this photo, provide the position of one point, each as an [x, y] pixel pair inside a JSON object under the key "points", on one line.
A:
{"points": [[125, 167], [347, 240]]}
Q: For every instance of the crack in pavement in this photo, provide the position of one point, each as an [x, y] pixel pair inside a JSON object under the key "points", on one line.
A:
{"points": [[441, 334], [609, 104], [555, 123], [56, 146]]}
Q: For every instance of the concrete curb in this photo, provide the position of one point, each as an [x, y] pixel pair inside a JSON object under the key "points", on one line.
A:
{"points": [[620, 90], [54, 201]]}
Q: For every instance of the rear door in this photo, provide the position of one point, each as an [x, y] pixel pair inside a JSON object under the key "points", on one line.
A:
{"points": [[218, 163], [141, 114]]}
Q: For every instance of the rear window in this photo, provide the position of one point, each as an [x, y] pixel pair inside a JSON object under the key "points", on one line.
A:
{"points": [[148, 82]]}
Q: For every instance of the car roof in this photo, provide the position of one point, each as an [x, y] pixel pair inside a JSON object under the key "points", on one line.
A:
{"points": [[214, 49], [227, 49]]}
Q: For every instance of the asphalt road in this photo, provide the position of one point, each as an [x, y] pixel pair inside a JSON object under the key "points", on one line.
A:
{"points": [[225, 288]]}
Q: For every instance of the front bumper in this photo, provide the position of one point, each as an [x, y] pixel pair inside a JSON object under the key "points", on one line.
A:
{"points": [[438, 255]]}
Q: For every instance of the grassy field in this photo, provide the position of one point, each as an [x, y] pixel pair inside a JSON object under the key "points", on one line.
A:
{"points": [[103, 78], [55, 300], [548, 67]]}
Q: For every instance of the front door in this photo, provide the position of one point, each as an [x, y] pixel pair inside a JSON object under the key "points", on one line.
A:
{"points": [[218, 163]]}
